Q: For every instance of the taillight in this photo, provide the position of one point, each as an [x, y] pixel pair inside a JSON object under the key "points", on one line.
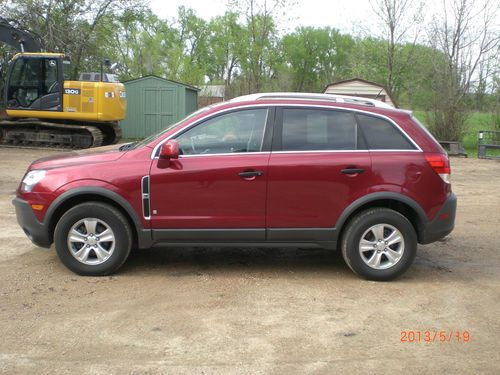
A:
{"points": [[440, 164]]}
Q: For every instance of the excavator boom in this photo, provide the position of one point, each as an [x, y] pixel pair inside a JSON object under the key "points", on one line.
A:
{"points": [[21, 40]]}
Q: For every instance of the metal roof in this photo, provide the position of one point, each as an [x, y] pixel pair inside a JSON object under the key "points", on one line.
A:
{"points": [[163, 79]]}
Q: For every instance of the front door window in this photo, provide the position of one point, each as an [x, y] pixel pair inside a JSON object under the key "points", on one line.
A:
{"points": [[235, 132]]}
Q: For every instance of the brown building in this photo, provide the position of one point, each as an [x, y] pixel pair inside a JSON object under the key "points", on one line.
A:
{"points": [[210, 94], [361, 87]]}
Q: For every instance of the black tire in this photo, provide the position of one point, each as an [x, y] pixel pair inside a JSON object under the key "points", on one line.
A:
{"points": [[105, 214], [360, 226]]}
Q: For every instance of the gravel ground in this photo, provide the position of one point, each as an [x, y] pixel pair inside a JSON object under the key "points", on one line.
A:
{"points": [[259, 311]]}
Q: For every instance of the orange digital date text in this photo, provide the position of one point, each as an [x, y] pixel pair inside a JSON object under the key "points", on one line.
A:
{"points": [[434, 336]]}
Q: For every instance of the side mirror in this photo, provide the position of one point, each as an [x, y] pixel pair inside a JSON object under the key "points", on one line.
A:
{"points": [[170, 149]]}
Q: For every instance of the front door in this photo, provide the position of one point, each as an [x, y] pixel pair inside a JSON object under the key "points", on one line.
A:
{"points": [[217, 188], [318, 165]]}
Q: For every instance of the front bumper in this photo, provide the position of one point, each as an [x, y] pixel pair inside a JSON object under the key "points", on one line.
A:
{"points": [[37, 232], [443, 223]]}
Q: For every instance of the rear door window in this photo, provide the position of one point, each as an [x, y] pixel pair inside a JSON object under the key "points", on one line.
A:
{"points": [[380, 134], [308, 129]]}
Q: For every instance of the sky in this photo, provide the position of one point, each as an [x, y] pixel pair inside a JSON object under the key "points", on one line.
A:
{"points": [[340, 14]]}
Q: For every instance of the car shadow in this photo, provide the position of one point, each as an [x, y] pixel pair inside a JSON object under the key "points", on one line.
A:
{"points": [[202, 261], [185, 261]]}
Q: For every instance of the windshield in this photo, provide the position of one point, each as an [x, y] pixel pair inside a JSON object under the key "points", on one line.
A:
{"points": [[153, 137]]}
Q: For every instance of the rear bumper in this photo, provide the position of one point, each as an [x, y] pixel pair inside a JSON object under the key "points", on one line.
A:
{"points": [[443, 223], [37, 232]]}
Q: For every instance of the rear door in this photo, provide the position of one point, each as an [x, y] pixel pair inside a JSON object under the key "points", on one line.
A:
{"points": [[319, 164]]}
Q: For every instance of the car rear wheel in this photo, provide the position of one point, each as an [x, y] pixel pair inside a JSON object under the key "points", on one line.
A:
{"points": [[93, 239], [379, 244]]}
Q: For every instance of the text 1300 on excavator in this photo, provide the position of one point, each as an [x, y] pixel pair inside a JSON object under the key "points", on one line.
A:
{"points": [[45, 108]]}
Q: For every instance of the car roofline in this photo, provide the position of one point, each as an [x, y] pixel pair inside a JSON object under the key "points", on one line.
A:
{"points": [[345, 99]]}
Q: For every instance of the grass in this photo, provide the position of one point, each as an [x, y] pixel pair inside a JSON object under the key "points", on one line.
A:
{"points": [[475, 122]]}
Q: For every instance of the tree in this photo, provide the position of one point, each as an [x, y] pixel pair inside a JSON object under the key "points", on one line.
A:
{"points": [[400, 19], [192, 40], [141, 44], [225, 38], [316, 57], [257, 52], [466, 37], [68, 26], [175, 50]]}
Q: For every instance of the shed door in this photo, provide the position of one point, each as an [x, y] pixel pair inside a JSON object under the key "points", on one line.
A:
{"points": [[159, 106]]}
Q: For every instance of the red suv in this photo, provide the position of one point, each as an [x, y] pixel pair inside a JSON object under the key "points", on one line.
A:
{"points": [[280, 169]]}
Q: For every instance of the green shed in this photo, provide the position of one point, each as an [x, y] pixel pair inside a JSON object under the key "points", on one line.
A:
{"points": [[153, 103]]}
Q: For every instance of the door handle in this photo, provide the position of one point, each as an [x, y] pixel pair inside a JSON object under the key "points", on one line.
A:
{"points": [[352, 170], [250, 174]]}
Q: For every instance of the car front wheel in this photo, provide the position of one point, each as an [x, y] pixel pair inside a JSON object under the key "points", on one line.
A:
{"points": [[379, 244], [93, 239]]}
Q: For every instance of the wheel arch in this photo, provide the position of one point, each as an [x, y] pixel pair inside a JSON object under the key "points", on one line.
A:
{"points": [[73, 197], [398, 202]]}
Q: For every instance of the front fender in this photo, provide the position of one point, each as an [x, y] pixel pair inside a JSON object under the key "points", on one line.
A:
{"points": [[106, 191]]}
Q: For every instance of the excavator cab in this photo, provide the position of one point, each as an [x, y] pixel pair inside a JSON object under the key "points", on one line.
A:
{"points": [[34, 82]]}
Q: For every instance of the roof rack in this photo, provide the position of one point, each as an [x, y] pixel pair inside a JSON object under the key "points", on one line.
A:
{"points": [[312, 96]]}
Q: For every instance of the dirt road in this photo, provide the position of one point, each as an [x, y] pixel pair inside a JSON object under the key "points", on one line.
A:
{"points": [[259, 311]]}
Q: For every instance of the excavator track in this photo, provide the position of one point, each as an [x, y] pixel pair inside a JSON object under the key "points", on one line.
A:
{"points": [[37, 133], [112, 132]]}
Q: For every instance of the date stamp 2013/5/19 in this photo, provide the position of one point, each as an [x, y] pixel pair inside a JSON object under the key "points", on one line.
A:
{"points": [[434, 336]]}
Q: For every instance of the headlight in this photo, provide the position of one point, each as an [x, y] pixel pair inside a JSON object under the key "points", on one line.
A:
{"points": [[31, 179]]}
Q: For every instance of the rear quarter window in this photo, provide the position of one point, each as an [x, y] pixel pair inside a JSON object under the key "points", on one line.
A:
{"points": [[380, 134]]}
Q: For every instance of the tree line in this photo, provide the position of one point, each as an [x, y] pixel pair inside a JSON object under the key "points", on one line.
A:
{"points": [[447, 67]]}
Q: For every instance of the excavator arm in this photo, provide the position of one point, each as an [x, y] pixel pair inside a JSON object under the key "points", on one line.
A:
{"points": [[21, 40]]}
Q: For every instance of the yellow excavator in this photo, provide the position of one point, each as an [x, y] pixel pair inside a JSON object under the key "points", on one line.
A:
{"points": [[44, 108]]}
